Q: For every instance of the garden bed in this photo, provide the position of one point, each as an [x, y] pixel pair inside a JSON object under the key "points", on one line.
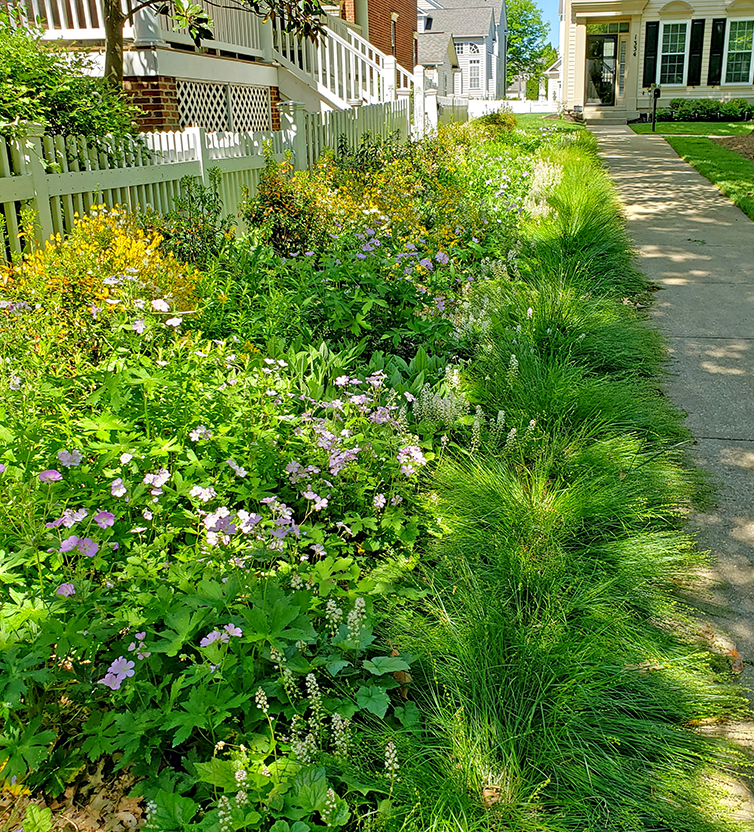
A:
{"points": [[374, 522]]}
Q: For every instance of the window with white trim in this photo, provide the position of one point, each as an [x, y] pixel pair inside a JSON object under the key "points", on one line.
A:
{"points": [[673, 53], [473, 49], [474, 76], [738, 60], [459, 48]]}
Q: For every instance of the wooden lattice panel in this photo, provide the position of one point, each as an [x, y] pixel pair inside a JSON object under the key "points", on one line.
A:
{"points": [[251, 108], [203, 105]]}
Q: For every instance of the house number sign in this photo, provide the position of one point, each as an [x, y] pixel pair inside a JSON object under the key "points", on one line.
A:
{"points": [[636, 44]]}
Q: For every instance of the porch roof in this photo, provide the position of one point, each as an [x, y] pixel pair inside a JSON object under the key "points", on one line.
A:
{"points": [[607, 8]]}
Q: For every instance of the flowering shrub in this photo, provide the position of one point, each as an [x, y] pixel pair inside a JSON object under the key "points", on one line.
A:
{"points": [[63, 297], [288, 208]]}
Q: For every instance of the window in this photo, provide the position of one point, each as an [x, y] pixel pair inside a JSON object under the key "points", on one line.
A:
{"points": [[673, 54], [474, 79], [392, 36], [622, 67], [473, 49], [740, 41], [428, 24], [459, 48], [607, 28]]}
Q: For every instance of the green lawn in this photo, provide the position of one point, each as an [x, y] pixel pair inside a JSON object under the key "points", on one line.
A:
{"points": [[533, 121], [696, 128], [725, 168]]}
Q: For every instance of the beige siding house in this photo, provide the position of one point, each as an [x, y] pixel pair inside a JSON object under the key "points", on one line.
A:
{"points": [[612, 52]]}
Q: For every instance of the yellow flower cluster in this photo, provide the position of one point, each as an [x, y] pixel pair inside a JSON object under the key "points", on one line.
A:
{"points": [[71, 283]]}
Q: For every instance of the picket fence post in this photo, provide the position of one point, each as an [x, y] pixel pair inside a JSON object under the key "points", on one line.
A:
{"points": [[293, 120], [202, 152], [31, 151], [430, 110], [419, 87]]}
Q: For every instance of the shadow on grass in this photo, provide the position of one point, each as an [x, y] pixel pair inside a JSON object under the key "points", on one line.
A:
{"points": [[730, 171]]}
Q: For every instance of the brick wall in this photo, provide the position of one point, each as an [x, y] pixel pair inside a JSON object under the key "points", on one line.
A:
{"points": [[379, 28], [380, 12], [274, 101], [158, 98]]}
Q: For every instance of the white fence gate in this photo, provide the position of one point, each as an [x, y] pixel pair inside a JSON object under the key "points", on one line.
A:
{"points": [[60, 177]]}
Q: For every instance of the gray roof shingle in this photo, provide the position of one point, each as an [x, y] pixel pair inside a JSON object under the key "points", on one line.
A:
{"points": [[464, 22], [432, 47], [495, 5]]}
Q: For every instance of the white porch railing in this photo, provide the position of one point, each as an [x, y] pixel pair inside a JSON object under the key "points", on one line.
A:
{"points": [[124, 172], [343, 66]]}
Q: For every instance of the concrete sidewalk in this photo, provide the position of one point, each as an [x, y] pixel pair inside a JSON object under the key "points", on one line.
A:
{"points": [[697, 246]]}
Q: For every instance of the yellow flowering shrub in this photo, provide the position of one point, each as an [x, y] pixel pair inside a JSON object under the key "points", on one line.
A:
{"points": [[70, 287]]}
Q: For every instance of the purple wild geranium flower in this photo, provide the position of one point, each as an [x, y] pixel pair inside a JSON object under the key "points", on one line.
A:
{"points": [[117, 673], [69, 519], [50, 476], [442, 257], [214, 636], [104, 518], [232, 630], [66, 590], [70, 459], [87, 547], [117, 489], [427, 263], [138, 326], [69, 544]]}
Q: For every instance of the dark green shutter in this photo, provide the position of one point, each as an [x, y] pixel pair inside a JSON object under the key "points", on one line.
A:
{"points": [[651, 39], [694, 77], [716, 49]]}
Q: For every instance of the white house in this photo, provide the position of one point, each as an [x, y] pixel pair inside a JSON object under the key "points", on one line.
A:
{"points": [[479, 33], [614, 51], [437, 54]]}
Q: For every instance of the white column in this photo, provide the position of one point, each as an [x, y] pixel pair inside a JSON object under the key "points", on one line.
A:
{"points": [[419, 88], [389, 72], [430, 109], [293, 120], [147, 28]]}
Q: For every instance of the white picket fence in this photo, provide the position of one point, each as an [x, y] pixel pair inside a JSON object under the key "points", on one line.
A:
{"points": [[60, 177]]}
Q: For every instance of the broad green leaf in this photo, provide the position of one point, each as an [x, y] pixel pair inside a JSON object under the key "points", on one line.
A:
{"points": [[373, 699], [409, 716], [311, 789], [219, 773], [385, 664], [334, 667], [37, 820]]}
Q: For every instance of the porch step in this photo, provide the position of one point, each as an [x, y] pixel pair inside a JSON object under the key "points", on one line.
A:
{"points": [[606, 116], [595, 118]]}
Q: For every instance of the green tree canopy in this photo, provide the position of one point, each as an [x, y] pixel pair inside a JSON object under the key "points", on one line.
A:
{"points": [[527, 34]]}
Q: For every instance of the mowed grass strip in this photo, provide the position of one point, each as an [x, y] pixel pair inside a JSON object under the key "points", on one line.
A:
{"points": [[696, 128], [730, 171]]}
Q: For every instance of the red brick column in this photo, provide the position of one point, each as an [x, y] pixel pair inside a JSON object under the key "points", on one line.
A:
{"points": [[275, 114], [158, 98]]}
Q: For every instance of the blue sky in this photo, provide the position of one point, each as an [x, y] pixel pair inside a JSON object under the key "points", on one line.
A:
{"points": [[550, 13]]}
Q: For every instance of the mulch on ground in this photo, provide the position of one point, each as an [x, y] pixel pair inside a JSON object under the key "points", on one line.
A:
{"points": [[744, 145]]}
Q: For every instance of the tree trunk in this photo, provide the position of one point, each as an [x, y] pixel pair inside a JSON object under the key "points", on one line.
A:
{"points": [[114, 20]]}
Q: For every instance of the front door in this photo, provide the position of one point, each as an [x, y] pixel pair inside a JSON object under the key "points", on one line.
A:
{"points": [[601, 62]]}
